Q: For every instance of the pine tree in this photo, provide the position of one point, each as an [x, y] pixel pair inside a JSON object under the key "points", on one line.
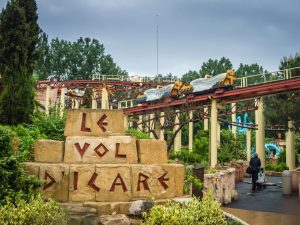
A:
{"points": [[18, 38]]}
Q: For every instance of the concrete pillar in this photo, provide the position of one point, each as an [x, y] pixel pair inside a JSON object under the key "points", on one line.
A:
{"points": [[248, 144], [191, 131], [104, 98], [177, 140], [213, 133], [161, 121], [62, 101], [219, 134], [76, 101], [94, 100], [233, 118], [126, 122], [205, 120], [140, 121], [260, 132], [151, 124], [47, 100], [290, 146]]}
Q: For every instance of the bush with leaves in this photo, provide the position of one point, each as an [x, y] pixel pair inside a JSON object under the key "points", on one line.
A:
{"points": [[188, 157], [277, 168], [35, 212], [6, 136], [138, 134], [202, 212], [52, 126], [15, 181]]}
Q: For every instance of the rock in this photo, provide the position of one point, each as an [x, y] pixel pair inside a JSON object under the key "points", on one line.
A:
{"points": [[49, 151], [234, 195], [94, 122], [113, 149], [103, 208], [74, 209], [32, 168], [90, 219], [152, 151], [74, 220], [139, 206], [118, 219]]}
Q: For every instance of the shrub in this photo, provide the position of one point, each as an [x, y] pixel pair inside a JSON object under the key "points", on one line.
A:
{"points": [[6, 135], [52, 126], [14, 180], [27, 134], [204, 212], [138, 134], [189, 179], [188, 157], [35, 212], [277, 168]]}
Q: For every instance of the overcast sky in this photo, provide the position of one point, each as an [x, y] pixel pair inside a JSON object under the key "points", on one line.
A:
{"points": [[190, 31]]}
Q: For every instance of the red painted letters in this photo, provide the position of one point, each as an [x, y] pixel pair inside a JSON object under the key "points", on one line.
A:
{"points": [[49, 184], [91, 182], [75, 181], [121, 182], [82, 150], [144, 182], [162, 180], [98, 148], [117, 152], [83, 124], [101, 123]]}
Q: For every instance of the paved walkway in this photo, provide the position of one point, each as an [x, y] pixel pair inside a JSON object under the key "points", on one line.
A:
{"points": [[267, 206]]}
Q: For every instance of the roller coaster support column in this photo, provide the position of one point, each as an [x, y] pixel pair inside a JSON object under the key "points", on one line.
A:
{"points": [[177, 140], [213, 133], [233, 118], [151, 124], [62, 102], [190, 131], [140, 123], [219, 135], [248, 144], [260, 133], [94, 100], [76, 103], [290, 146], [161, 121], [205, 122], [104, 98], [47, 100]]}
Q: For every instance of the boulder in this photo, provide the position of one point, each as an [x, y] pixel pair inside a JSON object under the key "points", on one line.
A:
{"points": [[118, 219]]}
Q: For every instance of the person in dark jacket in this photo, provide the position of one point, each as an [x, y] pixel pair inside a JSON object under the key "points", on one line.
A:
{"points": [[255, 166]]}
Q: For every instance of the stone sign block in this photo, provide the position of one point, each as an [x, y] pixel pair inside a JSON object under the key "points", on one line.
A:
{"points": [[179, 179], [152, 151], [114, 182], [153, 181], [111, 149], [82, 185], [32, 168], [56, 181], [94, 122], [48, 151]]}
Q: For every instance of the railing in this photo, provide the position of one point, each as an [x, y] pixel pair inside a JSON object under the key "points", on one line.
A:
{"points": [[133, 78], [268, 77]]}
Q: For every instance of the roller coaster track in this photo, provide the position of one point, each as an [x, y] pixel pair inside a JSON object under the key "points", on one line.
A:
{"points": [[238, 94]]}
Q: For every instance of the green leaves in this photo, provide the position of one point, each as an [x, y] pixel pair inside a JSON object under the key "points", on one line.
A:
{"points": [[204, 212]]}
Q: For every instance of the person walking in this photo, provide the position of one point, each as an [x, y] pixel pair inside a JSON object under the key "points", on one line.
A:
{"points": [[255, 166]]}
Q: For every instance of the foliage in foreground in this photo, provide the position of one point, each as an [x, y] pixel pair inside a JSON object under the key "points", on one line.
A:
{"points": [[35, 212], [204, 212], [138, 134], [15, 182]]}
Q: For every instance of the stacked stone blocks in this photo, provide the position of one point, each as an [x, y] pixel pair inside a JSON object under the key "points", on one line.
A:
{"points": [[98, 163]]}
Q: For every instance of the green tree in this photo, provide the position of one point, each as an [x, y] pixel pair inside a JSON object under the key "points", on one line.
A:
{"points": [[18, 39], [214, 67], [245, 70], [189, 76], [284, 107], [43, 68]]}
